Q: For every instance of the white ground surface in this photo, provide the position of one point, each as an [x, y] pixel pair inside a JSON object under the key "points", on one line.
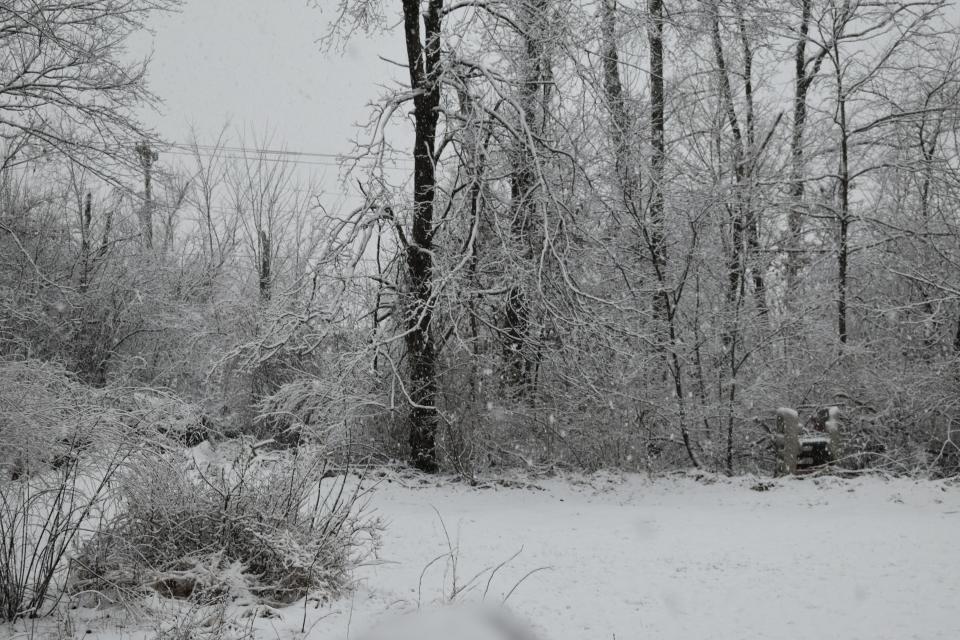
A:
{"points": [[671, 559]]}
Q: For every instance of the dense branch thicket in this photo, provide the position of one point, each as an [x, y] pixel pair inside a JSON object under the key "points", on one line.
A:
{"points": [[267, 528], [633, 231], [66, 85]]}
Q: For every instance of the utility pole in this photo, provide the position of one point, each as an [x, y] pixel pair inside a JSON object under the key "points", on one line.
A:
{"points": [[147, 157]]}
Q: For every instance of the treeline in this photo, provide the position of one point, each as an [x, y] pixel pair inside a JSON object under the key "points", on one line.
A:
{"points": [[623, 233]]}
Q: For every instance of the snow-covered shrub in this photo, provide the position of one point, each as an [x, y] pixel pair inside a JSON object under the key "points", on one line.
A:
{"points": [[331, 406], [165, 414], [42, 409], [41, 518], [60, 446], [272, 527], [194, 621]]}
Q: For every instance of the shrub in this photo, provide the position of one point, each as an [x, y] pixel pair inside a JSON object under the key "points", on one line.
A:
{"points": [[59, 449], [270, 527], [198, 622]]}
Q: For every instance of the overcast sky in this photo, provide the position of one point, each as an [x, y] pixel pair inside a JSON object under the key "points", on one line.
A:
{"points": [[257, 64]]}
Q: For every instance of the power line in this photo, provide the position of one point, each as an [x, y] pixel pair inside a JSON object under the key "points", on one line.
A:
{"points": [[263, 151], [227, 156], [293, 157], [266, 209]]}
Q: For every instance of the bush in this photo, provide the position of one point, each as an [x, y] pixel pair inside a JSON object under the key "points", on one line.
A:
{"points": [[266, 527], [169, 416], [59, 449]]}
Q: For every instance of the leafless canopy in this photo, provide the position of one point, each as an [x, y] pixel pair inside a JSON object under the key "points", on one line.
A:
{"points": [[67, 84]]}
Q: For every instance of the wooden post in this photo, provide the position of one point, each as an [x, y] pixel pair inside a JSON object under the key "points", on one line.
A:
{"points": [[788, 424]]}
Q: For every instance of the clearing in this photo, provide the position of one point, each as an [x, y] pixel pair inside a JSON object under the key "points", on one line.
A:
{"points": [[668, 559]]}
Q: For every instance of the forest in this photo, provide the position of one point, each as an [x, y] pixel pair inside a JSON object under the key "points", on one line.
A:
{"points": [[584, 236]]}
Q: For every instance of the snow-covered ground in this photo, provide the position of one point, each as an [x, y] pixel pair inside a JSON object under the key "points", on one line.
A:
{"points": [[680, 559], [667, 559]]}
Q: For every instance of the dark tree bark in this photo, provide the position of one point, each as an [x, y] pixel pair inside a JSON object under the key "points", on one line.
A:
{"points": [[621, 122], [956, 338], [843, 209], [90, 255], [265, 266], [804, 74], [843, 214], [524, 184], [654, 232], [86, 219], [752, 214], [658, 160], [423, 62]]}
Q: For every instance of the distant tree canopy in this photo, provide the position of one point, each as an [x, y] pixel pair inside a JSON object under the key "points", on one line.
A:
{"points": [[615, 233], [66, 83]]}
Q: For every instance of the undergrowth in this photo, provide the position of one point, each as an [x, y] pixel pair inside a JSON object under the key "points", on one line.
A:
{"points": [[266, 527]]}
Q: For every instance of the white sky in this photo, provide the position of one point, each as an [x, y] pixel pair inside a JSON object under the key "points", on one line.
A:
{"points": [[257, 64]]}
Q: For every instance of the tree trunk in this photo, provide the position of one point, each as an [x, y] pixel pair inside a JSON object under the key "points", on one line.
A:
{"points": [[86, 259], [423, 61], [265, 266], [801, 84], [621, 123], [843, 251], [524, 185], [804, 75], [654, 232], [843, 213], [752, 214], [736, 265], [658, 160]]}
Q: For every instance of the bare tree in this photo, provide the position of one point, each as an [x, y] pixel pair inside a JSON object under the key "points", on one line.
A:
{"points": [[66, 86], [655, 233], [622, 122], [424, 64], [892, 28], [806, 69], [218, 224]]}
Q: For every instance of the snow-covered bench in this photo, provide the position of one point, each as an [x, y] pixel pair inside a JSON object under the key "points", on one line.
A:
{"points": [[804, 451]]}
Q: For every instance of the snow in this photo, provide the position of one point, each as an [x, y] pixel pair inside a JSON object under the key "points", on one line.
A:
{"points": [[680, 559], [833, 422], [674, 558], [788, 412]]}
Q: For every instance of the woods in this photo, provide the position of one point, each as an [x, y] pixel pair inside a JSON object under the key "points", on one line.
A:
{"points": [[620, 234], [651, 295]]}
